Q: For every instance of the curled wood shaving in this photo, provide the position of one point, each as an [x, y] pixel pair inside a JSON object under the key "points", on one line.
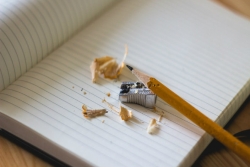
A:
{"points": [[87, 113], [107, 67]]}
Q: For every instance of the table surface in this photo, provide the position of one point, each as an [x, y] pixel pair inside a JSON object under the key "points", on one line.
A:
{"points": [[214, 155]]}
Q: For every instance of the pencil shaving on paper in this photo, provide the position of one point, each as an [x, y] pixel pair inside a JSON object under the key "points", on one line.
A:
{"points": [[107, 67], [87, 113], [110, 105], [125, 114], [160, 118], [152, 126], [108, 94]]}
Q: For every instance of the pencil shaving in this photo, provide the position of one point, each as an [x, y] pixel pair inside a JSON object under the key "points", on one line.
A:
{"points": [[125, 114], [87, 113], [110, 105], [160, 118], [152, 126], [107, 67], [157, 111]]}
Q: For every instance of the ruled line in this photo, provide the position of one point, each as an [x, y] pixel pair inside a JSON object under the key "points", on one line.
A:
{"points": [[34, 99], [65, 65], [10, 58], [67, 48], [2, 76], [84, 96], [35, 29], [47, 122]]}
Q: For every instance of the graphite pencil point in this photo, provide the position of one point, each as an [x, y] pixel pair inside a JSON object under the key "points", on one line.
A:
{"points": [[129, 67]]}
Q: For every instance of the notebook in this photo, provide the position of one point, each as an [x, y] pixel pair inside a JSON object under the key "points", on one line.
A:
{"points": [[196, 48]]}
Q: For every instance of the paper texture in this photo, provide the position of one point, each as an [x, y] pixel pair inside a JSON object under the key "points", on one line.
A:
{"points": [[202, 56]]}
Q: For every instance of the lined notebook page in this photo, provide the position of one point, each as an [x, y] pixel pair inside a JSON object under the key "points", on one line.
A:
{"points": [[30, 30], [195, 48]]}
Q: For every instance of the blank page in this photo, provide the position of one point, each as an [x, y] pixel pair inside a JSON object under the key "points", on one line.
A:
{"points": [[196, 48]]}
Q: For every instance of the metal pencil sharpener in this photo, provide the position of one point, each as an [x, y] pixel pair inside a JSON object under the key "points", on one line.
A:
{"points": [[137, 92]]}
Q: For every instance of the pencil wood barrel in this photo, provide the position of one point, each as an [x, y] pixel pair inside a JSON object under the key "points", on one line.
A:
{"points": [[199, 119]]}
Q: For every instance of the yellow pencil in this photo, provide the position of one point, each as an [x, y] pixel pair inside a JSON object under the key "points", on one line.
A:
{"points": [[193, 114]]}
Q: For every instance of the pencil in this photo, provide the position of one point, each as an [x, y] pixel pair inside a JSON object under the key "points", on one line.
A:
{"points": [[194, 115]]}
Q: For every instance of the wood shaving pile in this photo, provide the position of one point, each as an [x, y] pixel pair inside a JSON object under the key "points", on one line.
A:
{"points": [[106, 67]]}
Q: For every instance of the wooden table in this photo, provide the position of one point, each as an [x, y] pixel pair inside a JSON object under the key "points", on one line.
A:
{"points": [[12, 155]]}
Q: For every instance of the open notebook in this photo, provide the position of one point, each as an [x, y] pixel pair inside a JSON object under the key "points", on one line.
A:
{"points": [[196, 48]]}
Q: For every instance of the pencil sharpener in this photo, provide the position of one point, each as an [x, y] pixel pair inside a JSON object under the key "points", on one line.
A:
{"points": [[137, 92]]}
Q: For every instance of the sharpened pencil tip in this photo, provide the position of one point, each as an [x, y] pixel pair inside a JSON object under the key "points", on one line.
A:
{"points": [[129, 67]]}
